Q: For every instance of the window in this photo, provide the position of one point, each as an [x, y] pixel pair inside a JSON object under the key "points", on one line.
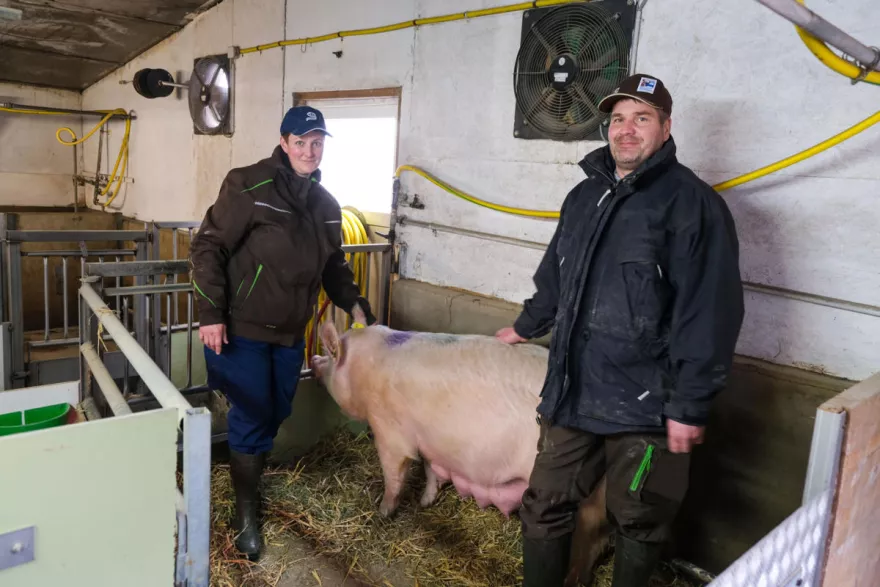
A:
{"points": [[361, 157]]}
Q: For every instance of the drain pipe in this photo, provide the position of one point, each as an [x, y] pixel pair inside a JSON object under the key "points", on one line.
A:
{"points": [[800, 15]]}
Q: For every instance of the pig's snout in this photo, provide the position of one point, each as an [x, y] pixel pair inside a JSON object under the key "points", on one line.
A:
{"points": [[319, 365]]}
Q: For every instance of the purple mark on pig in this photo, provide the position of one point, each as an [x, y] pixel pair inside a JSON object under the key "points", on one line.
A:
{"points": [[397, 338]]}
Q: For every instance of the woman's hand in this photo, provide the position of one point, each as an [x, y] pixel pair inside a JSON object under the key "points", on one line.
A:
{"points": [[213, 336]]}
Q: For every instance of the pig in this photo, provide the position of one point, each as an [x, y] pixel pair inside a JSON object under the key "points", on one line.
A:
{"points": [[463, 404]]}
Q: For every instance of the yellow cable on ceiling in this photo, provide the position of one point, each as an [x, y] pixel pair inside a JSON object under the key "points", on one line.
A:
{"points": [[412, 23], [725, 185]]}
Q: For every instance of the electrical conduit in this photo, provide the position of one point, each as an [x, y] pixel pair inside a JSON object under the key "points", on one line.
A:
{"points": [[411, 24]]}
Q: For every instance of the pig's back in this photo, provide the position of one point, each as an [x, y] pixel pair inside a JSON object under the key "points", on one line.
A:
{"points": [[470, 400]]}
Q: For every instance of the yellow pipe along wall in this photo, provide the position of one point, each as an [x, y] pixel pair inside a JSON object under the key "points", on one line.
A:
{"points": [[725, 185]]}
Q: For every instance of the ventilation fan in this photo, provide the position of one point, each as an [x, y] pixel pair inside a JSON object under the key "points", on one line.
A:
{"points": [[210, 92], [570, 57]]}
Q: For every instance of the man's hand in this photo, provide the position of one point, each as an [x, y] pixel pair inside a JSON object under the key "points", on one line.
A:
{"points": [[682, 437], [213, 336], [509, 336]]}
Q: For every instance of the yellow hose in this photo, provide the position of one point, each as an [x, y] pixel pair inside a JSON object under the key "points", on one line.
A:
{"points": [[805, 154], [474, 200], [830, 59], [410, 24], [353, 233], [782, 164], [123, 148]]}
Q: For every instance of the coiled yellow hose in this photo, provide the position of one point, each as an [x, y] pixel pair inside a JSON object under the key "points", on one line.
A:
{"points": [[123, 148], [353, 233]]}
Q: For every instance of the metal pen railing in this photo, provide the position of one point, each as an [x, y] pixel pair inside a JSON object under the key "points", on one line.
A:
{"points": [[159, 348], [192, 568], [162, 331], [12, 299], [176, 230]]}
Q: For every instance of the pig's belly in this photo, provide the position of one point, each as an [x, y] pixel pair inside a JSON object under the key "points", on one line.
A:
{"points": [[506, 496]]}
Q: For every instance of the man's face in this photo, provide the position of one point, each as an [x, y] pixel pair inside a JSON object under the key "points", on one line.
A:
{"points": [[635, 133], [304, 152]]}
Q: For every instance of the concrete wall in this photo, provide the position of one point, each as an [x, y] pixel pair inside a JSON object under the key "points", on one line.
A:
{"points": [[35, 169], [746, 478], [746, 90]]}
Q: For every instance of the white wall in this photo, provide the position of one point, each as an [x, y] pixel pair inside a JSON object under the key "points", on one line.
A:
{"points": [[746, 91], [177, 174], [35, 169]]}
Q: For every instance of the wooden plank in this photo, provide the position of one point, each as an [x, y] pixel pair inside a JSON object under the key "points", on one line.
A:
{"points": [[855, 532]]}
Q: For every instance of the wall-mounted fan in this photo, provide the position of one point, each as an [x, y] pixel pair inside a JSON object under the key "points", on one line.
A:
{"points": [[569, 58], [209, 87]]}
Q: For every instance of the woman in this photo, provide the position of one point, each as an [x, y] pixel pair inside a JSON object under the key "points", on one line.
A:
{"points": [[262, 253]]}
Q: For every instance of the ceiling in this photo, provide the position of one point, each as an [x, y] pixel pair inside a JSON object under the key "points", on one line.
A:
{"points": [[71, 44]]}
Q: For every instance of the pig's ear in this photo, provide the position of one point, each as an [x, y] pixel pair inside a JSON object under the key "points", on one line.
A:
{"points": [[330, 338]]}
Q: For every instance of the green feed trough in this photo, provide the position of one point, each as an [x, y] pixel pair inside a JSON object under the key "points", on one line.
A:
{"points": [[34, 419]]}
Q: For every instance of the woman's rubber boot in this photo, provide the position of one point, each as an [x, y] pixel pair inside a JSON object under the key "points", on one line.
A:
{"points": [[545, 562], [245, 471], [634, 561]]}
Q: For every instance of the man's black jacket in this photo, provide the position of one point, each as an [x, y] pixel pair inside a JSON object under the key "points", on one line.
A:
{"points": [[641, 288]]}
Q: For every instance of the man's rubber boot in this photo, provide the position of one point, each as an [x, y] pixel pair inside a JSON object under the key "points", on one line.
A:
{"points": [[545, 562], [245, 471], [634, 561]]}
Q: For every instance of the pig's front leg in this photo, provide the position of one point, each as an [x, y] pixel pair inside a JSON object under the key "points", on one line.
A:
{"points": [[395, 465], [432, 485]]}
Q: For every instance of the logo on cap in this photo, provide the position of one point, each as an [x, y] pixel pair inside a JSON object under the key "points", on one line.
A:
{"points": [[647, 85], [311, 116]]}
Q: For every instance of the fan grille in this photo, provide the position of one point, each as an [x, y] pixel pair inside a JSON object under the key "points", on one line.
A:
{"points": [[209, 95], [590, 42]]}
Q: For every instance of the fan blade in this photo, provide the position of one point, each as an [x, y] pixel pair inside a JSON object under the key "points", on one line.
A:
{"points": [[602, 86], [216, 73], [595, 36], [551, 51], [547, 91], [216, 114], [572, 37], [606, 59], [582, 97]]}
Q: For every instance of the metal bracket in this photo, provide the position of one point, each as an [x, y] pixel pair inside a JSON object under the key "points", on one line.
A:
{"points": [[5, 357], [867, 68], [16, 548]]}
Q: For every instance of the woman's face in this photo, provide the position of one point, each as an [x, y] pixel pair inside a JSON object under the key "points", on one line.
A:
{"points": [[304, 151]]}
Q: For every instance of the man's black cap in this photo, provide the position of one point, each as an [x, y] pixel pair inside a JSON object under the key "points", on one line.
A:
{"points": [[645, 88]]}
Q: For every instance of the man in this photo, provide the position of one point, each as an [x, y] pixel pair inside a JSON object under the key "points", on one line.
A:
{"points": [[641, 287], [264, 249]]}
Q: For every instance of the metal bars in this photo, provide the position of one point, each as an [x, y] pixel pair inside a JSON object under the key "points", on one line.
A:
{"points": [[194, 505], [156, 381]]}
